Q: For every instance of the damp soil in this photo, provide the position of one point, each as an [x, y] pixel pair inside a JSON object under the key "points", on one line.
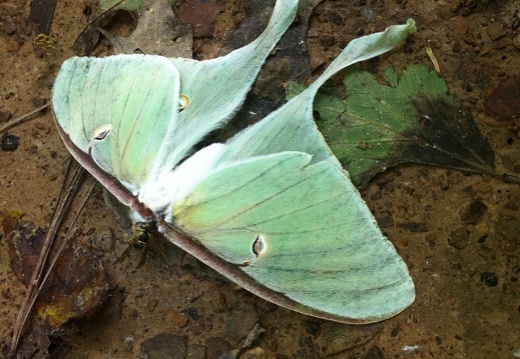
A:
{"points": [[458, 233]]}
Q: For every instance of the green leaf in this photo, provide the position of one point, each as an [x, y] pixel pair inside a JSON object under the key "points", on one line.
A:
{"points": [[413, 119]]}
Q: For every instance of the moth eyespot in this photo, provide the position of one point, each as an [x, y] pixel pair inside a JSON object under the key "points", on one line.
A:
{"points": [[183, 102], [102, 132], [260, 245]]}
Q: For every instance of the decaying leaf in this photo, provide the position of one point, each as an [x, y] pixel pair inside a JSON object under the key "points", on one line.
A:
{"points": [[41, 14], [414, 119], [158, 32], [76, 288], [88, 38]]}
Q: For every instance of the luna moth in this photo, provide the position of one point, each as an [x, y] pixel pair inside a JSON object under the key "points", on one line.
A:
{"points": [[271, 208]]}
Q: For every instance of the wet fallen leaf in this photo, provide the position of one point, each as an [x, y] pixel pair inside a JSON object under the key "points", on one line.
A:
{"points": [[77, 286], [414, 119], [89, 37], [158, 32], [41, 14], [35, 344]]}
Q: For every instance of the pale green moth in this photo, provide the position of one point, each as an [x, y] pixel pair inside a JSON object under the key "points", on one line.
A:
{"points": [[271, 208]]}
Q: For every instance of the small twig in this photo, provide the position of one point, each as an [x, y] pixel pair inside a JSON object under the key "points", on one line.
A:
{"points": [[37, 279], [20, 120], [79, 176]]}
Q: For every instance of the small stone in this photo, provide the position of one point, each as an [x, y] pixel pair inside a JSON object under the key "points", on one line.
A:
{"points": [[40, 125], [196, 351], [335, 18], [508, 226], [430, 238], [374, 353], [502, 101], [5, 116], [459, 238], [509, 247], [368, 13], [253, 353], [502, 43], [471, 40], [401, 241], [457, 47], [239, 323], [496, 30], [9, 142], [192, 313], [216, 347], [516, 41], [165, 346], [180, 320], [461, 25], [386, 220], [414, 227], [12, 46], [39, 102], [327, 39], [335, 338], [469, 191], [489, 278], [152, 304], [32, 150], [312, 326], [473, 213], [7, 26]]}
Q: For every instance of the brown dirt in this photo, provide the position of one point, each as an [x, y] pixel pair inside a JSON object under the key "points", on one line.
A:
{"points": [[427, 212]]}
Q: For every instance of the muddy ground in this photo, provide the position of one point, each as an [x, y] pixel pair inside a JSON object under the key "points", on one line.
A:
{"points": [[458, 233]]}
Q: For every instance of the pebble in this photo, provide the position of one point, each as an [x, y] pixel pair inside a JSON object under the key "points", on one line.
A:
{"points": [[196, 351], [489, 278], [5, 116], [461, 25], [239, 323], [7, 26], [165, 346], [335, 338], [9, 142], [368, 13], [430, 238], [516, 41], [496, 30], [502, 101], [216, 346], [180, 320], [473, 213], [12, 46], [459, 238], [499, 44], [374, 353]]}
